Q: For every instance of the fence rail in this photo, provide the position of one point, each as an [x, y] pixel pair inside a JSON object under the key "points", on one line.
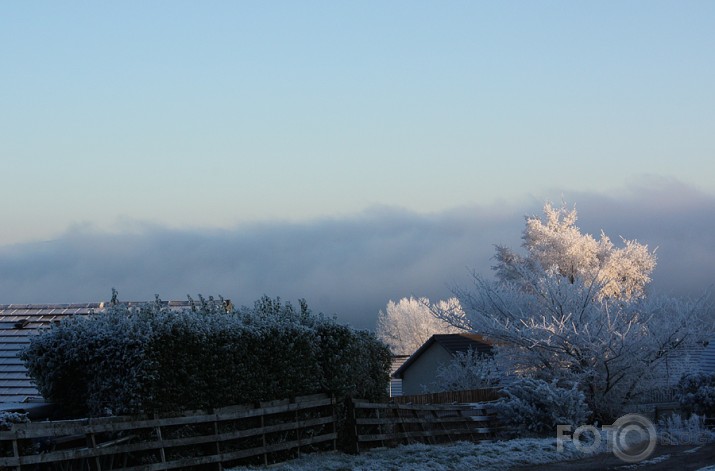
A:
{"points": [[268, 433], [274, 431], [378, 424], [458, 397]]}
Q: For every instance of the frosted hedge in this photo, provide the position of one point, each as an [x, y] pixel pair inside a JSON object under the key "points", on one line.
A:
{"points": [[140, 359]]}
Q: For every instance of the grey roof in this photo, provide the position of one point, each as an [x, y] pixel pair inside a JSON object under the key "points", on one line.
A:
{"points": [[453, 343], [18, 323]]}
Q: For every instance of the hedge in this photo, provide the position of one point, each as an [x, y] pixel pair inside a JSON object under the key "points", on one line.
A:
{"points": [[150, 358]]}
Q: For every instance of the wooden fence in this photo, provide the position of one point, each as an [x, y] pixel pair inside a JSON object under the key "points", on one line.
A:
{"points": [[377, 424], [273, 432], [270, 433], [450, 397]]}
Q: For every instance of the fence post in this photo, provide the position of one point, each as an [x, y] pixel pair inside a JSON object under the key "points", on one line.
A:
{"points": [[333, 410], [93, 442], [16, 452], [263, 438], [351, 431], [219, 464], [162, 453], [298, 430]]}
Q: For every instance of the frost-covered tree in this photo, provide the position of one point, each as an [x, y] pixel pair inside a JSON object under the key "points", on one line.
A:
{"points": [[405, 325], [556, 244], [467, 370], [556, 318]]}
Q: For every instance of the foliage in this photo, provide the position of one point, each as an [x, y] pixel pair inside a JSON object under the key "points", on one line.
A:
{"points": [[410, 322], [8, 419], [696, 394], [142, 358], [560, 321], [557, 245], [538, 406], [467, 370], [675, 430]]}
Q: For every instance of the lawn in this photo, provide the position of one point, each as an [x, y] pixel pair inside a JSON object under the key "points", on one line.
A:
{"points": [[497, 455]]}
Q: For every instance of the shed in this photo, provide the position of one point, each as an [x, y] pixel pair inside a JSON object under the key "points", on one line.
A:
{"points": [[396, 383], [420, 369]]}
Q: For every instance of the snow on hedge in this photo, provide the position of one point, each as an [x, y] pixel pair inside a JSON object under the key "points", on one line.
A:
{"points": [[139, 359]]}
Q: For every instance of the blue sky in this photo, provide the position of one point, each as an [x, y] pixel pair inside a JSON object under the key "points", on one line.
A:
{"points": [[204, 116]]}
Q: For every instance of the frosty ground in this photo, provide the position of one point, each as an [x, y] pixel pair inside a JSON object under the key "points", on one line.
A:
{"points": [[497, 455]]}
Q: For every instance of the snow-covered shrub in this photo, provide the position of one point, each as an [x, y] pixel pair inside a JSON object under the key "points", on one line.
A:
{"points": [[97, 362], [538, 406], [25, 446], [675, 430], [205, 362], [352, 362], [696, 394], [135, 359], [8, 419]]}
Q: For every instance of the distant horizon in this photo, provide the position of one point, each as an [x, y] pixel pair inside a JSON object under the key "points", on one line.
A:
{"points": [[352, 266]]}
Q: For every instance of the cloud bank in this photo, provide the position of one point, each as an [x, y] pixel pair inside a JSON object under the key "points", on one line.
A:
{"points": [[352, 266]]}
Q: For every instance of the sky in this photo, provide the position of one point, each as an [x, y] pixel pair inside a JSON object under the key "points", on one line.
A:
{"points": [[344, 152]]}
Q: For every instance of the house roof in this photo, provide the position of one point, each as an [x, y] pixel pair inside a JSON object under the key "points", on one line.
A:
{"points": [[453, 343], [18, 323]]}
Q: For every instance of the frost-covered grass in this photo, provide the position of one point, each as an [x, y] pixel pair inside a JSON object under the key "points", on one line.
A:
{"points": [[675, 430], [498, 455]]}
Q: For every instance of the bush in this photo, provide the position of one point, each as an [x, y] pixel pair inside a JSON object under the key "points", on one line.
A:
{"points": [[150, 358], [8, 419], [537, 406], [675, 430], [696, 394]]}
